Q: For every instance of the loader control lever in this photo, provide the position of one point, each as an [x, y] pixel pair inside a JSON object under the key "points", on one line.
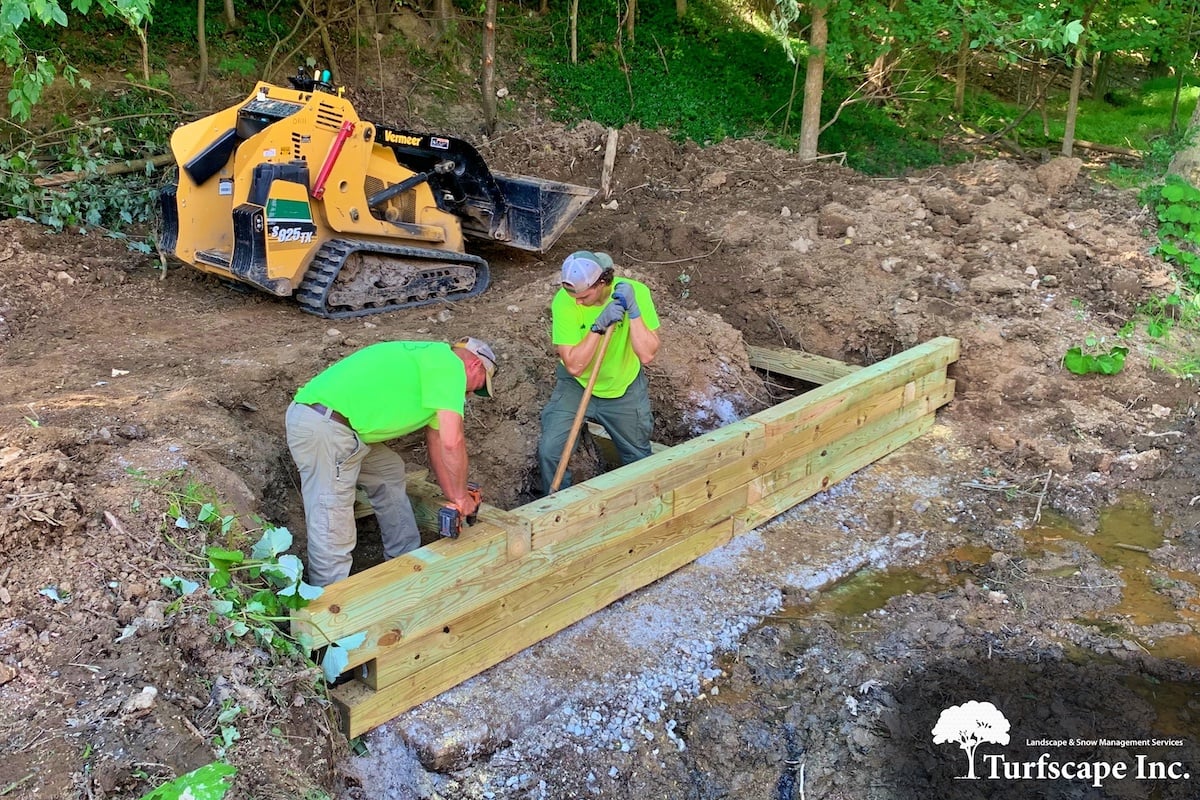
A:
{"points": [[379, 198], [320, 80]]}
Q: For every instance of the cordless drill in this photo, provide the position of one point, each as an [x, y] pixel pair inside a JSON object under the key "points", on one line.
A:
{"points": [[450, 522]]}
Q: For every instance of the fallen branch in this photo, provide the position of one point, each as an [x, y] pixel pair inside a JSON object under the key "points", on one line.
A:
{"points": [[1134, 547], [15, 784], [1107, 148], [678, 260], [1037, 514], [115, 168], [610, 158]]}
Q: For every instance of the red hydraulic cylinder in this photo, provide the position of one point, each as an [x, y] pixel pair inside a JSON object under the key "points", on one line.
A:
{"points": [[347, 130]]}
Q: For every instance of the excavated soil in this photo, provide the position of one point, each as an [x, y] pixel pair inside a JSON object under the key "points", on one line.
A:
{"points": [[121, 383]]}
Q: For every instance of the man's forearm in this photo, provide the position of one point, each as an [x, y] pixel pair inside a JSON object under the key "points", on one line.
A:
{"points": [[450, 468], [577, 357]]}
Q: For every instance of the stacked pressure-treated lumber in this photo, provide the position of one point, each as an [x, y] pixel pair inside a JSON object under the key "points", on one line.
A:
{"points": [[455, 607]]}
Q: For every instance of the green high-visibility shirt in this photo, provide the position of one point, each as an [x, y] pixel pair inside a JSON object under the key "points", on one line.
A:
{"points": [[392, 388], [571, 323]]}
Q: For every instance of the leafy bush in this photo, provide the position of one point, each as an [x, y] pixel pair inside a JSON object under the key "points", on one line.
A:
{"points": [[1089, 358], [1176, 203]]}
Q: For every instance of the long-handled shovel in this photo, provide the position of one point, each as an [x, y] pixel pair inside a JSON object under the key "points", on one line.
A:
{"points": [[582, 412]]}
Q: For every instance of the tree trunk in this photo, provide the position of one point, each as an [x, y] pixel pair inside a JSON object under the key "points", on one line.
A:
{"points": [[201, 46], [960, 75], [1072, 108], [680, 9], [443, 13], [487, 80], [814, 81], [326, 41], [630, 13], [366, 16], [1100, 70], [1186, 161], [1076, 82], [544, 8], [1174, 125], [574, 15], [145, 43], [231, 20]]}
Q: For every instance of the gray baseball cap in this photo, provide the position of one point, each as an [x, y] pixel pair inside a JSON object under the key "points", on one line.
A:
{"points": [[583, 268], [484, 353]]}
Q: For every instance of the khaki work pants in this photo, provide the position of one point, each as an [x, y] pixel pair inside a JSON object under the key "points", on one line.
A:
{"points": [[333, 462]]}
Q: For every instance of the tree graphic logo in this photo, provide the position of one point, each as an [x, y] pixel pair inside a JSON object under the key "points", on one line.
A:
{"points": [[969, 726]]}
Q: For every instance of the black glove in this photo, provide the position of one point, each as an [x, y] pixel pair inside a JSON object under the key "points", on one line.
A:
{"points": [[612, 313], [623, 294]]}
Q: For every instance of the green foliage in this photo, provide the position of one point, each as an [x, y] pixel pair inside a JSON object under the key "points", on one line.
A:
{"points": [[706, 78], [239, 65], [247, 596], [1173, 324], [33, 70], [206, 783], [881, 141], [124, 125], [1176, 204], [1092, 358]]}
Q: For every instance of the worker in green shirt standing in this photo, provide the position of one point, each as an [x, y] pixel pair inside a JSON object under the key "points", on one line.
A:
{"points": [[588, 304], [338, 423]]}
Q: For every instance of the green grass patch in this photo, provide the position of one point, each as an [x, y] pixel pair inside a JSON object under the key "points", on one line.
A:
{"points": [[704, 78], [1137, 118], [708, 77]]}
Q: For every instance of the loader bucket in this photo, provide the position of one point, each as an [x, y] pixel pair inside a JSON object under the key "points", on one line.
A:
{"points": [[539, 210]]}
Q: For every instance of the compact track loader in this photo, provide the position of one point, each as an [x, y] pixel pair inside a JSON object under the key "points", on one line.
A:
{"points": [[291, 192]]}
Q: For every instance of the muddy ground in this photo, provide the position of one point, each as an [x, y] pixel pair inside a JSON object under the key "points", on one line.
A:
{"points": [[121, 383]]}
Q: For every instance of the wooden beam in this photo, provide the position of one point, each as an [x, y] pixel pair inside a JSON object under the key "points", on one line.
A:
{"points": [[363, 709], [443, 613], [798, 364], [563, 583], [716, 501]]}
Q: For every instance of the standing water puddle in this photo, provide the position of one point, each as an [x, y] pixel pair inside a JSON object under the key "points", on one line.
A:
{"points": [[1123, 541], [869, 589], [822, 688]]}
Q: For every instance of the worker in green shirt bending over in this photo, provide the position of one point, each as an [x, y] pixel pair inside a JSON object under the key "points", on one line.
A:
{"points": [[337, 426], [588, 304]]}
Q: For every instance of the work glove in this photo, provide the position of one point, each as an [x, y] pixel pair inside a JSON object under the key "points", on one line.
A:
{"points": [[612, 313], [623, 294]]}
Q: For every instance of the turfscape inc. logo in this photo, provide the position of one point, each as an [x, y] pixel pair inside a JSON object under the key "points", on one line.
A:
{"points": [[974, 723]]}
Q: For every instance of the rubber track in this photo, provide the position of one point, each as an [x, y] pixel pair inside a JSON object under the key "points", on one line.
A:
{"points": [[313, 291]]}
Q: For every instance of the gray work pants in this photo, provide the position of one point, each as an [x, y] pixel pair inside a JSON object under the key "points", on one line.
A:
{"points": [[626, 418], [333, 461]]}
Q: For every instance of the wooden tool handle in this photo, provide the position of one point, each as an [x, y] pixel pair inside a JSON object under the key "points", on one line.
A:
{"points": [[582, 412]]}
